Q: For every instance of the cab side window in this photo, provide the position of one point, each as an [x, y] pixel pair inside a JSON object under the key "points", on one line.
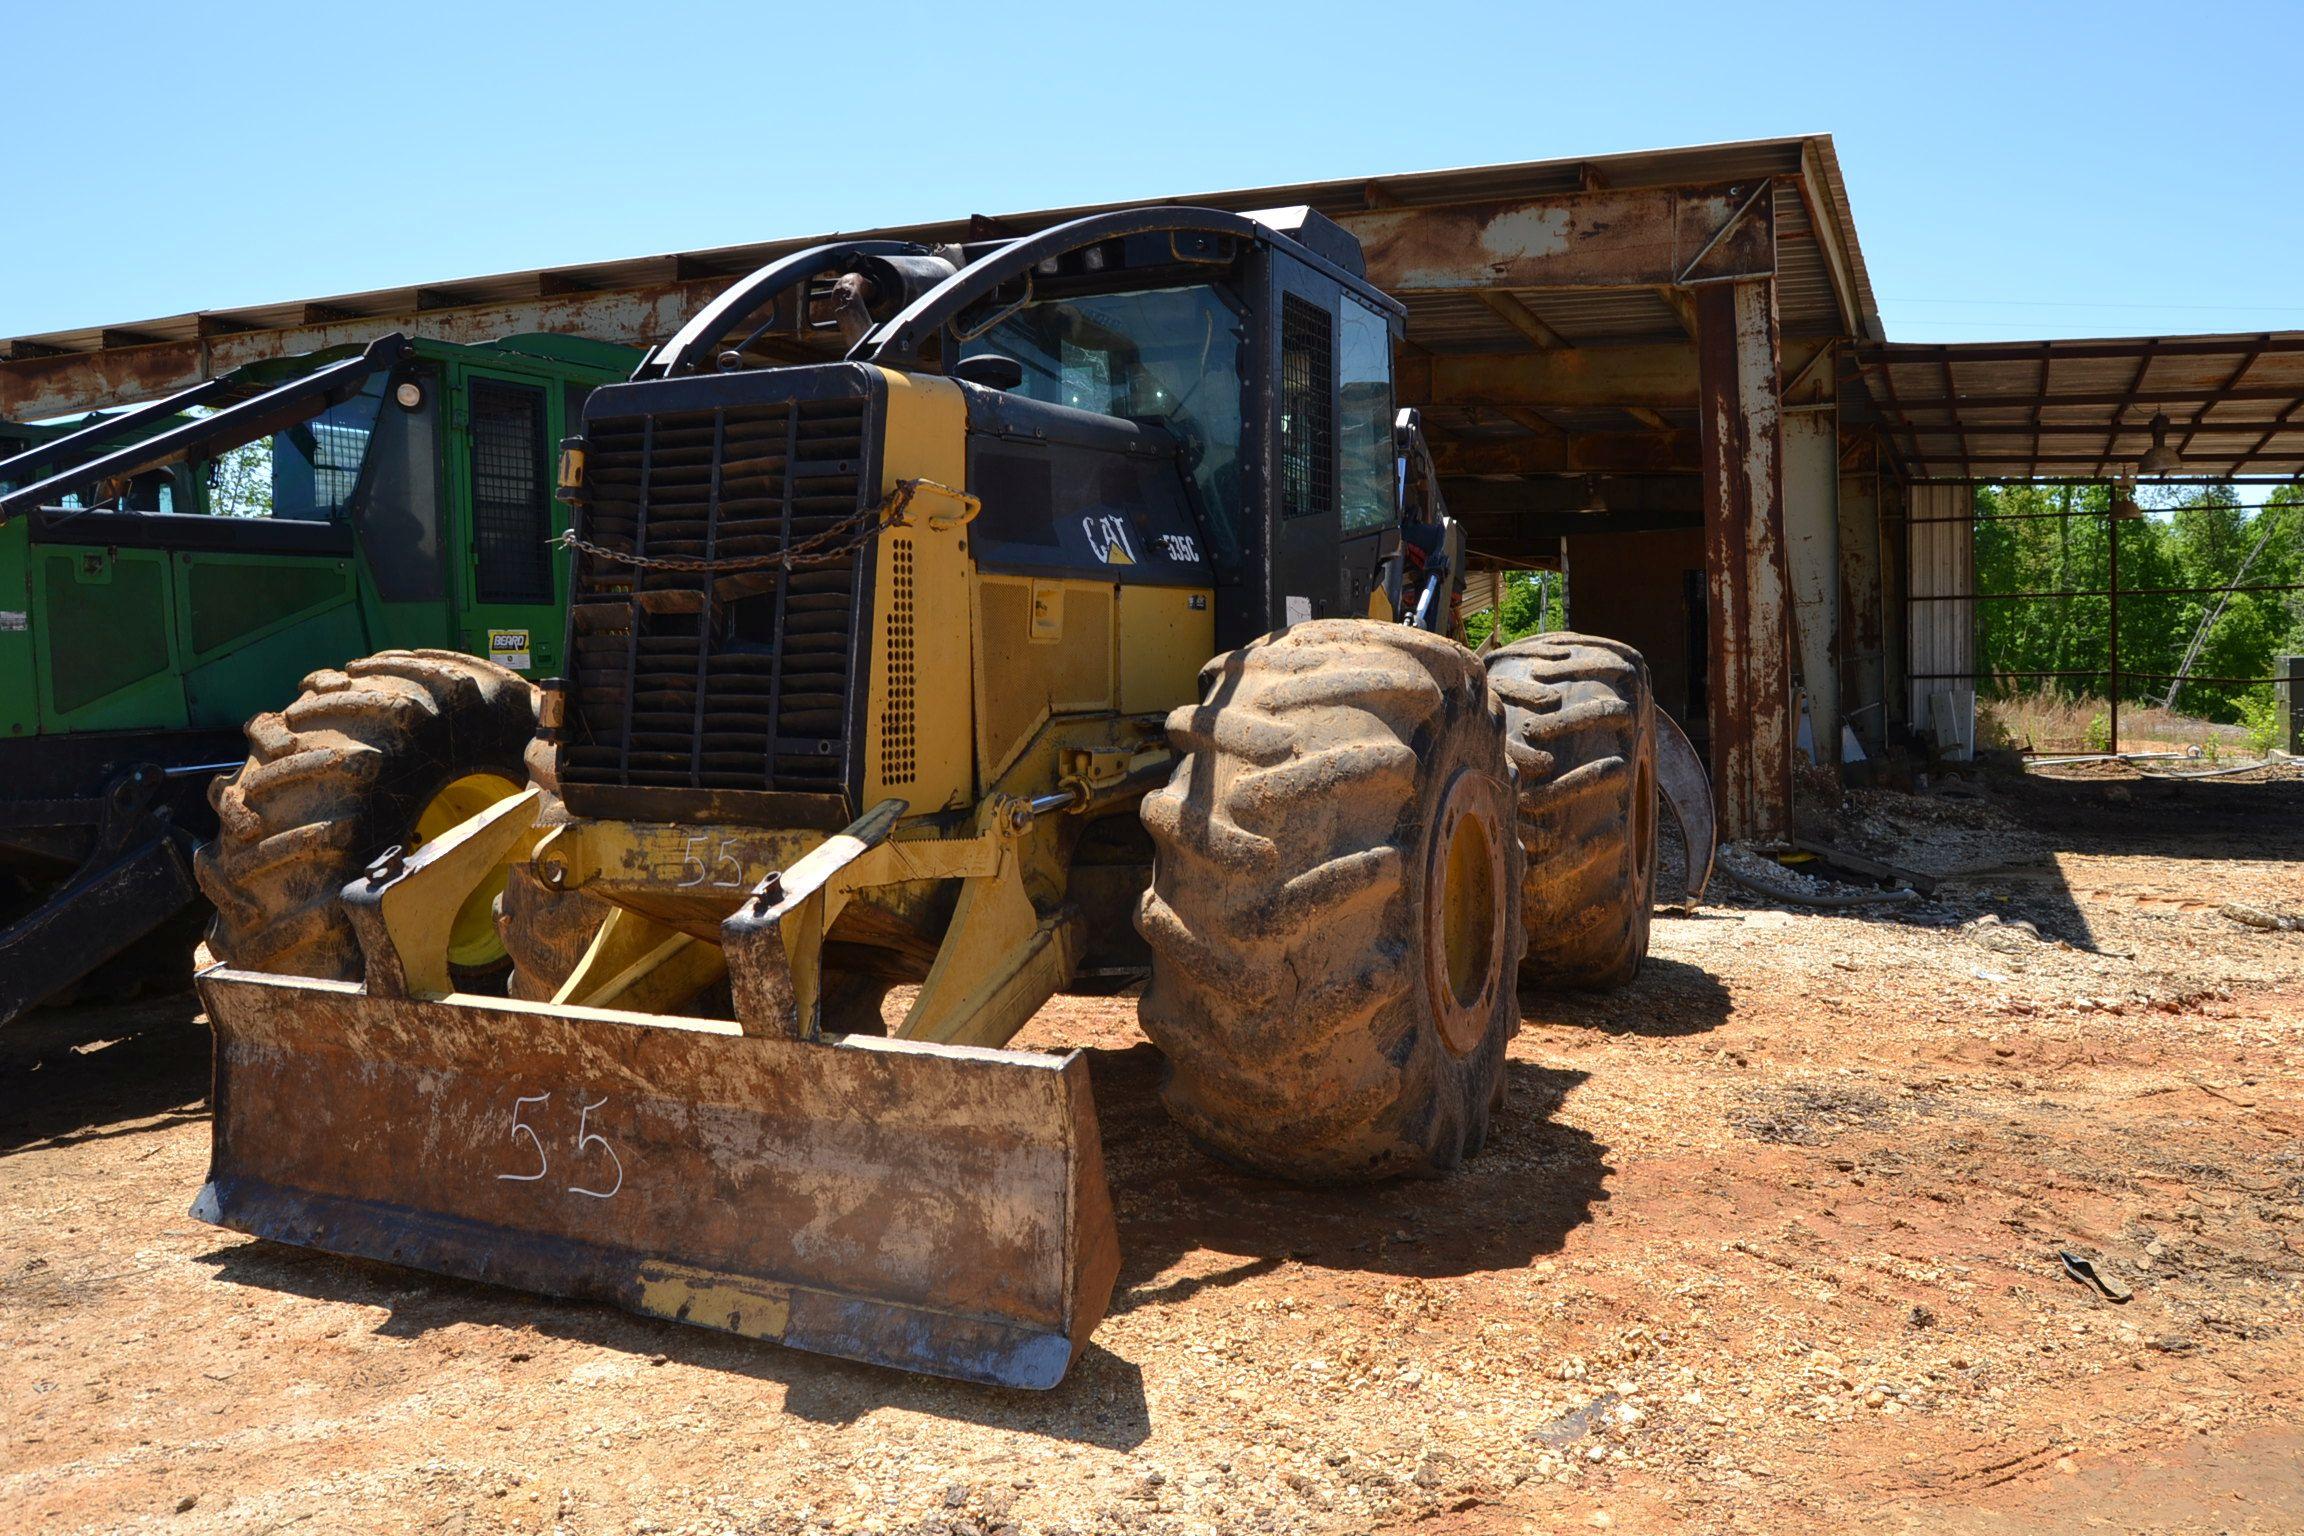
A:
{"points": [[1367, 468]]}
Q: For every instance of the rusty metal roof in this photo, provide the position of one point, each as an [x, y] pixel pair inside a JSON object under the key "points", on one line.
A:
{"points": [[1822, 285], [2083, 409]]}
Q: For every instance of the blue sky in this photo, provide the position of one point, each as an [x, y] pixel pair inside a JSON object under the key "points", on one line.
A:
{"points": [[2016, 170]]}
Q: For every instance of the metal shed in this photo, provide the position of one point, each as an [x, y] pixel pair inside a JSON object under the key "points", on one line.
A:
{"points": [[1664, 369]]}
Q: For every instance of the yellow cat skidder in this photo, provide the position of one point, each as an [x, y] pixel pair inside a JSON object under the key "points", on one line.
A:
{"points": [[1095, 580]]}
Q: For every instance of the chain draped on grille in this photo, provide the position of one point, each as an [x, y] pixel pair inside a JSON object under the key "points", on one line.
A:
{"points": [[820, 548]]}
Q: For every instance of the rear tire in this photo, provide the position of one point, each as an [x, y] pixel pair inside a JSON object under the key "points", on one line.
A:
{"points": [[1580, 722], [1334, 910], [334, 780]]}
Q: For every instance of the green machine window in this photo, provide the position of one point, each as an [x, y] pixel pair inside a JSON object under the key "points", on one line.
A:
{"points": [[1367, 470], [511, 494], [306, 473]]}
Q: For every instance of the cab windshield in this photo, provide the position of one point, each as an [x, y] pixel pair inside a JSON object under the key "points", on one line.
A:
{"points": [[1170, 356]]}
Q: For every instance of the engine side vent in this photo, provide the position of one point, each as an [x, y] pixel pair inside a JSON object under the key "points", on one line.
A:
{"points": [[729, 680], [899, 755]]}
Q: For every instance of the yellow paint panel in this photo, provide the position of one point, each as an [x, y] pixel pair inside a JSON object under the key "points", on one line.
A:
{"points": [[1026, 676], [1164, 641], [918, 746]]}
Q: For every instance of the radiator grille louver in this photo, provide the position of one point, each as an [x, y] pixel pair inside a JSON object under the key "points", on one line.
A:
{"points": [[717, 681]]}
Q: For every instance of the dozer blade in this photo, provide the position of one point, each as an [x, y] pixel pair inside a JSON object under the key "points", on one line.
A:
{"points": [[935, 1208]]}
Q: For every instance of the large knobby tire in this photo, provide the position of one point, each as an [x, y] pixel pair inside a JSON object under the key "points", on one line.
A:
{"points": [[338, 777], [1580, 724], [1334, 910]]}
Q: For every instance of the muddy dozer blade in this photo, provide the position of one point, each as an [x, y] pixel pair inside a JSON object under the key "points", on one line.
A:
{"points": [[934, 1208]]}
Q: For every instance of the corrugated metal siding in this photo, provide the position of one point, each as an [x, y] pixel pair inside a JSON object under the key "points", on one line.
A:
{"points": [[1943, 563]]}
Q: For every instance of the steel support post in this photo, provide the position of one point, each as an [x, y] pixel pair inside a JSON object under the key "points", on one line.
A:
{"points": [[1742, 450], [1811, 436]]}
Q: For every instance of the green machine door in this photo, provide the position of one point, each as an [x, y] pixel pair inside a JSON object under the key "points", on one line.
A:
{"points": [[508, 583]]}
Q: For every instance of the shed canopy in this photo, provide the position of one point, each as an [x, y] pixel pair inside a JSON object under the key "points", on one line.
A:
{"points": [[2083, 409]]}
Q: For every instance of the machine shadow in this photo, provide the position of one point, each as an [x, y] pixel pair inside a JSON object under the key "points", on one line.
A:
{"points": [[2137, 816], [1668, 998], [92, 1072], [1181, 1209], [1100, 1402]]}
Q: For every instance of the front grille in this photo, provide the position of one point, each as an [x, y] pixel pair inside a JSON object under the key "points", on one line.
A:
{"points": [[743, 681]]}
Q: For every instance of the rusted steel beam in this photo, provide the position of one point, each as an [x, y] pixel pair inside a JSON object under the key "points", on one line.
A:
{"points": [[1661, 377], [1996, 465], [1751, 675], [2194, 425], [1915, 352], [36, 387], [1509, 309], [2143, 366], [1603, 239], [2279, 424], [1952, 393], [1682, 307], [2232, 382], [2037, 406], [1673, 497], [2162, 394], [1592, 453]]}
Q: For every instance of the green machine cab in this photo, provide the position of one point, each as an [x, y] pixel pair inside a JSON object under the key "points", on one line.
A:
{"points": [[170, 570]]}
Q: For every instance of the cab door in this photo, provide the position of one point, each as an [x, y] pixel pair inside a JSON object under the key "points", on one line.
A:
{"points": [[510, 579]]}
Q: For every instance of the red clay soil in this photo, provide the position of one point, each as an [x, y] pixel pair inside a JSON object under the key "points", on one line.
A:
{"points": [[1766, 1242]]}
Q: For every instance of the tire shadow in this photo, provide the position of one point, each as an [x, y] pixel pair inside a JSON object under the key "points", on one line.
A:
{"points": [[1533, 1183], [1668, 998], [88, 1073]]}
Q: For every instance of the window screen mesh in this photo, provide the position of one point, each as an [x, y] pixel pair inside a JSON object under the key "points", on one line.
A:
{"points": [[511, 506], [1307, 409]]}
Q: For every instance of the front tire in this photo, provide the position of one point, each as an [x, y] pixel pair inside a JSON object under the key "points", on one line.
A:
{"points": [[1580, 722], [1334, 911], [384, 752]]}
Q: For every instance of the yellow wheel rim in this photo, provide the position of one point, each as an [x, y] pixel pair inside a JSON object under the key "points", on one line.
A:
{"points": [[473, 943], [1466, 907]]}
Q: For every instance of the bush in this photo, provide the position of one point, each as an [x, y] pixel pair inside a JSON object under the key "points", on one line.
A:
{"points": [[2260, 718]]}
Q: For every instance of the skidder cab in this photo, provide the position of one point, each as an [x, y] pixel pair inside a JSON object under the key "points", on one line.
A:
{"points": [[966, 620]]}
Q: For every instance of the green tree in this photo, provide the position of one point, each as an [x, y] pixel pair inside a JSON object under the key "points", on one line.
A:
{"points": [[2055, 539], [1534, 602]]}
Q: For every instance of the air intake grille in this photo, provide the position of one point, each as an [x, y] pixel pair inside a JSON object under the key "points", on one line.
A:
{"points": [[898, 738], [1307, 409], [727, 681]]}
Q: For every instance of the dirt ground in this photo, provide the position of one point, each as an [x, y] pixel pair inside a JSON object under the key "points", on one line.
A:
{"points": [[1767, 1242]]}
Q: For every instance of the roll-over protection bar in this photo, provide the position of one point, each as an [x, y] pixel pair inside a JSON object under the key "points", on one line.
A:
{"points": [[695, 347], [896, 343]]}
